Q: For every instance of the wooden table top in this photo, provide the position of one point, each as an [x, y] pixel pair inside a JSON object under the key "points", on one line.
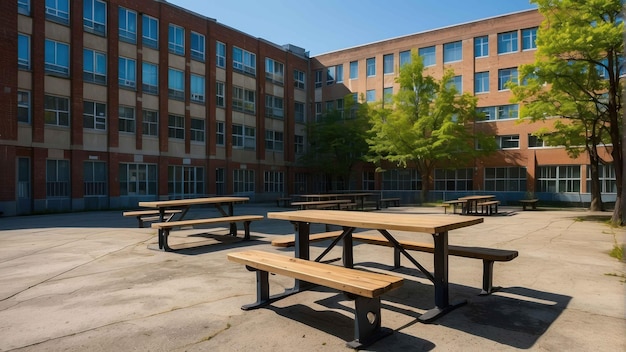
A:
{"points": [[387, 221], [192, 201], [323, 202], [477, 197]]}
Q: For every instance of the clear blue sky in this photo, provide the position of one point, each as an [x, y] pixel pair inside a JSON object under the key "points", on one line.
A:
{"points": [[321, 26]]}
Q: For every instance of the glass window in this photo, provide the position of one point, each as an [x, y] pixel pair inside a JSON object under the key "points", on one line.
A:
{"points": [[126, 75], [428, 56], [299, 79], [339, 73], [126, 119], [405, 57], [138, 179], [220, 54], [127, 25], [274, 140], [509, 142], [388, 64], [453, 52], [507, 42], [94, 115], [197, 130], [274, 107], [481, 82], [244, 61], [23, 51], [220, 97], [197, 46], [457, 83], [606, 173], [58, 11], [388, 95], [370, 65], [508, 111], [23, 7], [94, 66], [274, 181], [274, 71], [244, 137], [299, 111], [505, 179], [243, 181], [219, 133], [330, 105], [489, 112], [370, 95], [176, 40], [481, 46], [150, 31], [94, 178], [330, 75], [23, 106], [176, 84], [57, 178], [401, 179], [150, 78], [453, 179], [354, 70], [176, 127], [185, 181], [506, 75], [95, 16], [529, 38], [558, 179], [244, 100], [298, 144], [57, 58], [56, 111], [197, 89], [150, 123], [318, 78]]}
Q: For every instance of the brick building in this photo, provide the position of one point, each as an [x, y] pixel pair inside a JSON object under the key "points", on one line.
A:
{"points": [[106, 103], [484, 55]]}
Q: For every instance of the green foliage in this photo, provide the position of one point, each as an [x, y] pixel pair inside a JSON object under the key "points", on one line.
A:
{"points": [[576, 76], [425, 126], [337, 140]]}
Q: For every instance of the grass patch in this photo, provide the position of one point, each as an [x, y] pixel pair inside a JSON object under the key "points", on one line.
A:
{"points": [[617, 252]]}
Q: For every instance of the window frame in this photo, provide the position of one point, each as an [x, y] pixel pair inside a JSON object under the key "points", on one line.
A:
{"points": [[176, 39], [370, 66], [175, 84], [354, 69], [481, 82], [23, 63], [61, 116], [95, 182], [274, 182], [127, 73], [24, 104], [98, 60], [91, 24], [220, 94], [56, 67], [244, 61], [91, 110], [57, 12], [453, 52], [198, 46], [150, 123], [508, 42], [150, 78], [388, 64], [274, 71], [506, 75], [274, 107], [220, 54], [150, 31], [175, 126], [197, 130], [58, 176], [299, 79], [481, 46], [197, 88], [127, 19], [274, 141], [529, 38], [126, 122], [428, 58]]}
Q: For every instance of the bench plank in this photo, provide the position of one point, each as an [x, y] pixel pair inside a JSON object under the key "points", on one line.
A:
{"points": [[151, 215], [166, 227], [487, 255], [362, 286], [358, 282], [529, 202]]}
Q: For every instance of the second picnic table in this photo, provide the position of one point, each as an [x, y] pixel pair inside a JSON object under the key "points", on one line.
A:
{"points": [[437, 226]]}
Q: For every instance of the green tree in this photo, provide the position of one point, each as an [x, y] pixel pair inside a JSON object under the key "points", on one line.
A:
{"points": [[425, 126], [576, 75], [337, 143]]}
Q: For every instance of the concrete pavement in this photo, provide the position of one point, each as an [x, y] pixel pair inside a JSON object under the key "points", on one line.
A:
{"points": [[92, 281]]}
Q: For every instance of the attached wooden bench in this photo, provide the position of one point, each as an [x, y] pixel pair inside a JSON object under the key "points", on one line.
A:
{"points": [[489, 207], [150, 215], [454, 203], [321, 204], [488, 255], [362, 286], [165, 227], [386, 202], [529, 202]]}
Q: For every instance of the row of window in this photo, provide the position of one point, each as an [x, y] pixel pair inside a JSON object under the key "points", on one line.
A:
{"points": [[452, 52], [141, 179], [57, 53]]}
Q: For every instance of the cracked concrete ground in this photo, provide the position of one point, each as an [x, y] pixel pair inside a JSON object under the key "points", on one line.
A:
{"points": [[93, 282]]}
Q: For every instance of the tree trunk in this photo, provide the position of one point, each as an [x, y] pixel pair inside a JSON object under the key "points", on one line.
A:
{"points": [[425, 188], [596, 194]]}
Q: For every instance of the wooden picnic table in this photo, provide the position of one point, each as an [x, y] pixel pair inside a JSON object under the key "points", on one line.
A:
{"points": [[437, 226], [185, 204], [471, 202], [333, 203], [358, 197]]}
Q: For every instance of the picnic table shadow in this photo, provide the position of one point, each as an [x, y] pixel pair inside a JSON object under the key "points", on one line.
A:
{"points": [[204, 241], [513, 316]]}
